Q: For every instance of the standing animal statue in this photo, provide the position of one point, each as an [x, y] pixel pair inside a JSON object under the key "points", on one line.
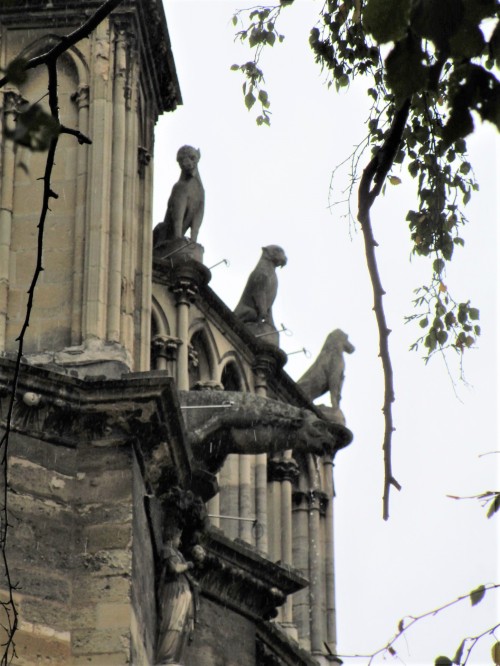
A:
{"points": [[256, 302], [327, 373], [186, 204]]}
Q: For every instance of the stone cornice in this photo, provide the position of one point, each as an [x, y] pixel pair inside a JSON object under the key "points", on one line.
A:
{"points": [[237, 576], [140, 410]]}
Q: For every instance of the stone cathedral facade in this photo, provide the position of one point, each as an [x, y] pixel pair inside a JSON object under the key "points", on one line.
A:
{"points": [[170, 487]]}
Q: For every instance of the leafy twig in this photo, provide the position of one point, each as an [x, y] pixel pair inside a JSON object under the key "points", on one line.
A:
{"points": [[406, 623]]}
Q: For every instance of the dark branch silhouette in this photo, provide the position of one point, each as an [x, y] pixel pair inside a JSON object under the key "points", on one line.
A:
{"points": [[370, 186]]}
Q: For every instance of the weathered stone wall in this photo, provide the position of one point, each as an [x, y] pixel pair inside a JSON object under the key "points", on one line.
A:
{"points": [[143, 583], [222, 638], [70, 552]]}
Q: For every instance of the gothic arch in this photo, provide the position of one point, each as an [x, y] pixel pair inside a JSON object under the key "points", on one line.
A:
{"points": [[203, 354], [73, 55], [231, 373], [159, 321]]}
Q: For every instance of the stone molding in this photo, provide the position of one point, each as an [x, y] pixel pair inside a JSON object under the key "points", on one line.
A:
{"points": [[235, 575]]}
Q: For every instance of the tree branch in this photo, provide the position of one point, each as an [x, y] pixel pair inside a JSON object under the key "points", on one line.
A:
{"points": [[408, 622], [370, 187]]}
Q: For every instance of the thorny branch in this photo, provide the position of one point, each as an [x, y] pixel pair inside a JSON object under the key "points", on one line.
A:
{"points": [[406, 623], [48, 59], [370, 187]]}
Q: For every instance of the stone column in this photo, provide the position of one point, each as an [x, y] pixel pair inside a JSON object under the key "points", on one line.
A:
{"points": [[331, 624], [185, 291], [260, 462], [300, 516], [315, 579], [283, 472], [245, 500], [229, 500], [213, 508], [117, 189], [95, 273], [130, 208], [81, 99], [187, 278], [11, 100]]}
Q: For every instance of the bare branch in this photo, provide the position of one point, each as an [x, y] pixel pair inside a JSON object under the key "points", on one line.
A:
{"points": [[409, 621], [370, 187]]}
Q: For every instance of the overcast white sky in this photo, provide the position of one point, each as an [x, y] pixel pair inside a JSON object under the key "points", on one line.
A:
{"points": [[271, 185]]}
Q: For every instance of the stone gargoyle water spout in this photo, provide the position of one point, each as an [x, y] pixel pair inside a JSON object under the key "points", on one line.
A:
{"points": [[225, 422]]}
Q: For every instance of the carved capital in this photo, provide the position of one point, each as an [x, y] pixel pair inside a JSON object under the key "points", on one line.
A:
{"points": [[282, 469], [165, 346], [185, 291], [311, 500], [268, 362], [81, 96]]}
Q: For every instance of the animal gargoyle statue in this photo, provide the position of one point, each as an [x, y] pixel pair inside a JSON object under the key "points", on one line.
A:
{"points": [[224, 422], [327, 374]]}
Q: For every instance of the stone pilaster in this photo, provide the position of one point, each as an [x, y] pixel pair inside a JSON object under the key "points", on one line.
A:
{"points": [[11, 101]]}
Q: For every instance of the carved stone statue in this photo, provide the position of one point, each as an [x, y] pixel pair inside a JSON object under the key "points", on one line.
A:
{"points": [[255, 305], [176, 590], [176, 612], [186, 204], [327, 373]]}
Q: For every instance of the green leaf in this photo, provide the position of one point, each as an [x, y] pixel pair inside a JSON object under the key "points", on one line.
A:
{"points": [[443, 661], [249, 100], [493, 508], [458, 654], [387, 20], [438, 266], [437, 21], [405, 73], [235, 68], [459, 125], [473, 314], [467, 42], [477, 595], [35, 128], [270, 38], [423, 323], [264, 98], [442, 337], [495, 653]]}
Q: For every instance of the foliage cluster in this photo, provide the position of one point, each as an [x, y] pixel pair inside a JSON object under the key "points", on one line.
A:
{"points": [[436, 58]]}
